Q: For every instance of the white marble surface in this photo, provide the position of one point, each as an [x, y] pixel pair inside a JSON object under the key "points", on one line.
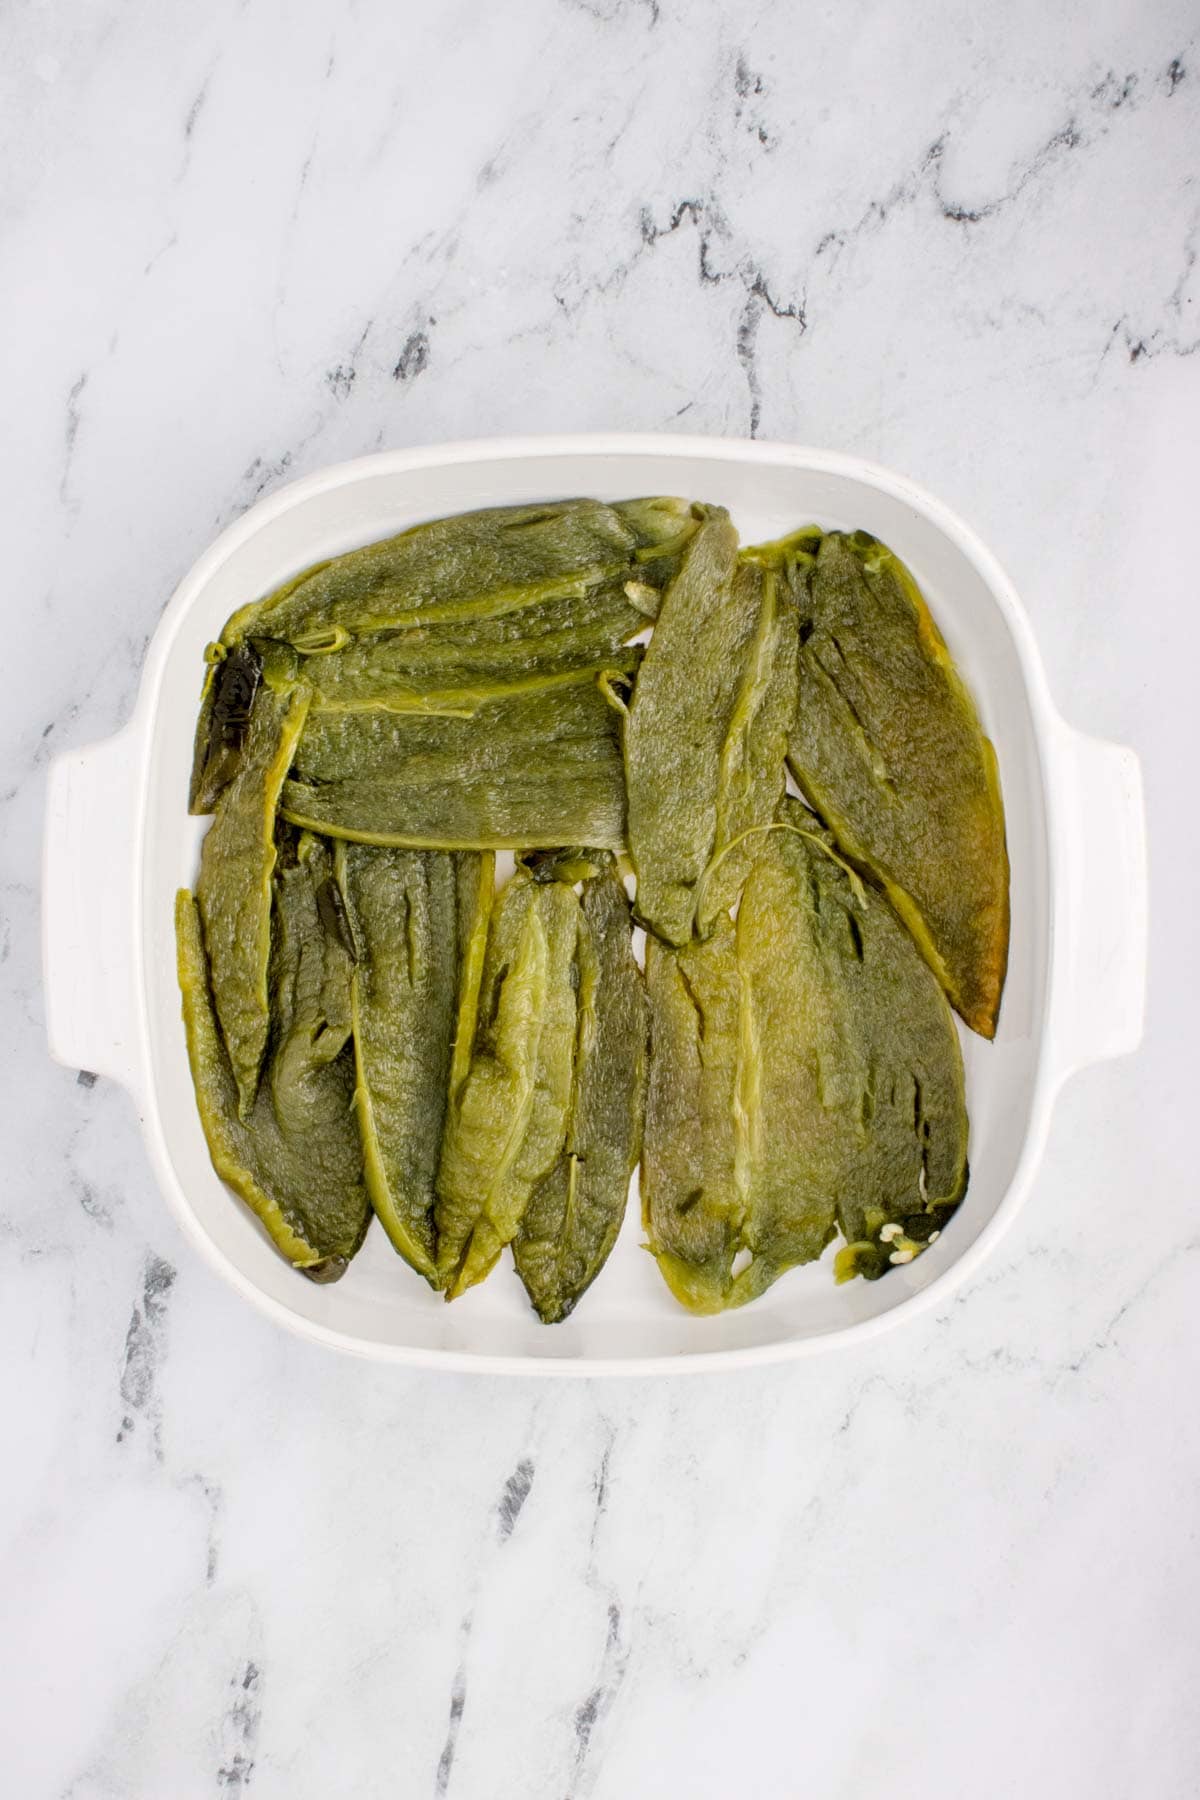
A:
{"points": [[244, 240]]}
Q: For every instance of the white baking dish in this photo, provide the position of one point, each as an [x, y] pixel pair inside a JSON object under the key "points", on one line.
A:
{"points": [[119, 842]]}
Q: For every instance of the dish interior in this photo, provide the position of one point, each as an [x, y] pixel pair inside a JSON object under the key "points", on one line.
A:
{"points": [[628, 1314]]}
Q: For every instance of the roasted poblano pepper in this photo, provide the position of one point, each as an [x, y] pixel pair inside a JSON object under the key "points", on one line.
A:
{"points": [[525, 769], [234, 887], [805, 1076], [450, 606], [465, 693], [476, 886], [705, 675], [296, 1159], [415, 666], [695, 1165], [507, 1119], [235, 675], [752, 771], [887, 747], [230, 687], [475, 566], [575, 1212], [402, 908]]}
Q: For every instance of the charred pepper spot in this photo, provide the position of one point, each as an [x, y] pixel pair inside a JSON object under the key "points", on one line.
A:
{"points": [[332, 909], [230, 691]]}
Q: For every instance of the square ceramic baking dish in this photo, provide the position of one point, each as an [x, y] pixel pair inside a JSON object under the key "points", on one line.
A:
{"points": [[119, 842]]}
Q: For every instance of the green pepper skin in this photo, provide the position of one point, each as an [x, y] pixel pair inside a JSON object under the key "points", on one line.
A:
{"points": [[507, 1122], [233, 891], [403, 913], [574, 1215], [476, 896], [526, 769], [296, 1160], [694, 1187], [452, 605], [678, 719], [888, 749], [473, 566], [753, 760], [805, 1076], [402, 667]]}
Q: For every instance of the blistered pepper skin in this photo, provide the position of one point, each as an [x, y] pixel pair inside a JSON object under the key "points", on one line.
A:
{"points": [[887, 747], [677, 722], [574, 1215], [237, 862], [295, 1159], [523, 770], [507, 1122], [470, 567], [402, 907], [805, 1077], [751, 773]]}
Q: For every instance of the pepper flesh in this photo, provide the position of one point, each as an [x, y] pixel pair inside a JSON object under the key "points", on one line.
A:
{"points": [[526, 769], [472, 566], [752, 770], [296, 1160], [888, 749], [413, 666], [506, 1125], [237, 860], [575, 1213], [678, 720], [805, 1075], [403, 913]]}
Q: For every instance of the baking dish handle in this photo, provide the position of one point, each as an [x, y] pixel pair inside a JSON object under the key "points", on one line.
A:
{"points": [[1101, 927], [89, 876]]}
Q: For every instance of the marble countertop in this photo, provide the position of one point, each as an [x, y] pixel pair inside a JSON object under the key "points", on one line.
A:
{"points": [[242, 242]]}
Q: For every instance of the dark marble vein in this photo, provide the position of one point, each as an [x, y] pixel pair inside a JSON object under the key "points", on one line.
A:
{"points": [[163, 250], [759, 301], [1142, 344], [1106, 1338], [599, 1701], [458, 1702], [508, 1508], [260, 473], [616, 10], [197, 107], [340, 380], [712, 228], [74, 418], [515, 1493], [414, 357], [95, 1206], [1068, 137], [145, 1348], [748, 86], [600, 1490], [212, 1496], [240, 1728], [1112, 96]]}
